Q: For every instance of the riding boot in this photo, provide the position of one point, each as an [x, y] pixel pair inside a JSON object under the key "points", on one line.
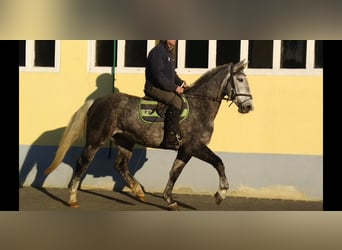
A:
{"points": [[172, 137]]}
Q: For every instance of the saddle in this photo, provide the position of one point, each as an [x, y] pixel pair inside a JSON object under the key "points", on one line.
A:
{"points": [[151, 111]]}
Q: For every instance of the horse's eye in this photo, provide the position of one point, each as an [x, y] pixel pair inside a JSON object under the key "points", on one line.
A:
{"points": [[239, 79]]}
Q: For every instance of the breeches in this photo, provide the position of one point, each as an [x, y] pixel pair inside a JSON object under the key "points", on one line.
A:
{"points": [[166, 97]]}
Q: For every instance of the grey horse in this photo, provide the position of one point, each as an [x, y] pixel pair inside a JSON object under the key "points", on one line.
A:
{"points": [[117, 116]]}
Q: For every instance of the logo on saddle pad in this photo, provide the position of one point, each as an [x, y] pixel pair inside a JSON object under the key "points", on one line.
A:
{"points": [[151, 111]]}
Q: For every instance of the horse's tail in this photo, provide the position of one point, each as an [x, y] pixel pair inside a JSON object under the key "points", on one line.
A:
{"points": [[73, 131]]}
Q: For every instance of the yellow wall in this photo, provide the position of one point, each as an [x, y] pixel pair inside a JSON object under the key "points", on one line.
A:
{"points": [[288, 115], [48, 99]]}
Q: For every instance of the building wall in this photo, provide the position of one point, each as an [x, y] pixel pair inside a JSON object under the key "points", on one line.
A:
{"points": [[279, 146]]}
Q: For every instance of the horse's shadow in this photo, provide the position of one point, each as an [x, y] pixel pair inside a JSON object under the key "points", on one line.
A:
{"points": [[38, 158]]}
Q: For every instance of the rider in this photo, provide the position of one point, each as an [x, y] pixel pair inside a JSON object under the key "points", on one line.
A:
{"points": [[164, 85]]}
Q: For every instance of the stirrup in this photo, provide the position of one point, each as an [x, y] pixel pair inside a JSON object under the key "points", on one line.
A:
{"points": [[179, 139], [175, 143]]}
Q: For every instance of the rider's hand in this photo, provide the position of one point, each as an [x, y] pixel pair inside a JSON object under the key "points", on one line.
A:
{"points": [[179, 90], [184, 85]]}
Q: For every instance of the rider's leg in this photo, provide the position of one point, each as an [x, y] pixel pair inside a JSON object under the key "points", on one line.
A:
{"points": [[172, 136]]}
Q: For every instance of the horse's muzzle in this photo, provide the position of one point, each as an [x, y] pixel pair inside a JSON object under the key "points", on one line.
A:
{"points": [[246, 106]]}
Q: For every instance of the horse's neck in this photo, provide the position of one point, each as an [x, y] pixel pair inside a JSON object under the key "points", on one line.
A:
{"points": [[204, 104], [206, 94], [210, 86]]}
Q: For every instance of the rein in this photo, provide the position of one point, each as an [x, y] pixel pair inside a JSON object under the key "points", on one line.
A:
{"points": [[216, 99]]}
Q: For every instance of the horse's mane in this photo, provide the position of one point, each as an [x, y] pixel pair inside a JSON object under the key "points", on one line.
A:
{"points": [[210, 74]]}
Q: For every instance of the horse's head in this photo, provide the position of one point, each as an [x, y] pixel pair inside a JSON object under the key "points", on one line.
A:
{"points": [[238, 88], [224, 80]]}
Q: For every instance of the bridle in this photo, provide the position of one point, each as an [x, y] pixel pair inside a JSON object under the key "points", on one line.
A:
{"points": [[232, 97], [235, 91]]}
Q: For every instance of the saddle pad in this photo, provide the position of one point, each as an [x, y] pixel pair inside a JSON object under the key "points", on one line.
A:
{"points": [[148, 111]]}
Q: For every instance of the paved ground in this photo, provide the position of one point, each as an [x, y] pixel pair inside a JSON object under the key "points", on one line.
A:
{"points": [[34, 199]]}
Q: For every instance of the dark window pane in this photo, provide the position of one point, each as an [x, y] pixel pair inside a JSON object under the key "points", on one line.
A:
{"points": [[293, 54], [22, 53], [44, 53], [135, 53], [318, 54], [260, 54], [196, 55], [227, 51], [105, 53]]}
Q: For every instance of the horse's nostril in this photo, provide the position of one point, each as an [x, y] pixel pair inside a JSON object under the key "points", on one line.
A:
{"points": [[249, 107]]}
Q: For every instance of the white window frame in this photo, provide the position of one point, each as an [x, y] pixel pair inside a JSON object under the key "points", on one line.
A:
{"points": [[275, 70], [30, 55], [120, 68]]}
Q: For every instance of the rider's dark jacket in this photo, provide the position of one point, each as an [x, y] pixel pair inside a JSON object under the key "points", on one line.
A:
{"points": [[160, 69]]}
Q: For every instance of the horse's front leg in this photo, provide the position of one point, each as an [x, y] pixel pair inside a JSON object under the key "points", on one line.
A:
{"points": [[178, 165], [202, 152]]}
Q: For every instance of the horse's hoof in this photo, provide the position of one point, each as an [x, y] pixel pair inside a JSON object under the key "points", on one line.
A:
{"points": [[173, 207], [74, 204], [141, 198], [218, 198]]}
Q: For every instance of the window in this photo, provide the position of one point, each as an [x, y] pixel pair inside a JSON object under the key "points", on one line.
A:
{"points": [[39, 55], [227, 51], [44, 53], [105, 53], [260, 54], [22, 53], [196, 54], [318, 54], [293, 54], [135, 53]]}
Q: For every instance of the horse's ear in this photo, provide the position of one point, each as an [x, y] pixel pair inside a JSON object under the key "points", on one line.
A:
{"points": [[240, 66]]}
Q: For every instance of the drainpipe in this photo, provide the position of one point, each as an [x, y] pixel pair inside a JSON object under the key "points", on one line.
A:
{"points": [[113, 89]]}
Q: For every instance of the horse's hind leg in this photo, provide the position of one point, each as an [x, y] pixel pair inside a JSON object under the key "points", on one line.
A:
{"points": [[82, 165], [121, 165]]}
